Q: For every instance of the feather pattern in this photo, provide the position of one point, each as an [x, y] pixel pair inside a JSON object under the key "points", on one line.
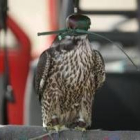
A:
{"points": [[42, 73], [68, 74]]}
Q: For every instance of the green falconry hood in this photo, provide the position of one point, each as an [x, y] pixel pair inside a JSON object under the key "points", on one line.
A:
{"points": [[78, 21]]}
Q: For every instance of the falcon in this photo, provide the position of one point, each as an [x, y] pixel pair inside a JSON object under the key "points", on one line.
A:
{"points": [[67, 77]]}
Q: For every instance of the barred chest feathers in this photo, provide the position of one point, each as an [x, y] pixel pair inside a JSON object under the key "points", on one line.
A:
{"points": [[78, 62]]}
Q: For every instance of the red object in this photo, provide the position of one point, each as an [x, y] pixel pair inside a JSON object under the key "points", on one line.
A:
{"points": [[19, 59], [53, 15], [53, 22]]}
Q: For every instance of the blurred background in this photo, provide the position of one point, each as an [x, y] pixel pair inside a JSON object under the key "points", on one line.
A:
{"points": [[117, 103]]}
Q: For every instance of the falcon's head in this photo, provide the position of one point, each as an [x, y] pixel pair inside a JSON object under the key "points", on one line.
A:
{"points": [[78, 21]]}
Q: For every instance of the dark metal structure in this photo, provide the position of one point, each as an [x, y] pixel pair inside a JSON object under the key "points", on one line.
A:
{"points": [[126, 38], [7, 96]]}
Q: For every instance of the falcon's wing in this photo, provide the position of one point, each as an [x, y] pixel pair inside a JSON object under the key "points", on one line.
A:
{"points": [[42, 73], [99, 69]]}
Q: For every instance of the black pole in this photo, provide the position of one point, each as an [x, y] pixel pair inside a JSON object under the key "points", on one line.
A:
{"points": [[3, 14], [75, 3], [8, 90]]}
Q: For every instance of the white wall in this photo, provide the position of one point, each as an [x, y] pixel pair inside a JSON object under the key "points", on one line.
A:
{"points": [[101, 23], [31, 15]]}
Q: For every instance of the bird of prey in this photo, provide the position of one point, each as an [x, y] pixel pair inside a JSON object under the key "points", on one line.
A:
{"points": [[67, 77]]}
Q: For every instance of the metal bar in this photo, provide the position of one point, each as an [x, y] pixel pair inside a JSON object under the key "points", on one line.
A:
{"points": [[126, 38], [125, 13], [138, 19]]}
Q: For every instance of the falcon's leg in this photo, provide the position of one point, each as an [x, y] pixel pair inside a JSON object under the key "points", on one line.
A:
{"points": [[85, 114], [81, 125], [53, 126], [51, 111], [55, 123]]}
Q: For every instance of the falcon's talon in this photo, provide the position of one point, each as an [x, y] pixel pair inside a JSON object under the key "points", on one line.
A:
{"points": [[50, 127], [56, 128], [63, 127], [80, 129]]}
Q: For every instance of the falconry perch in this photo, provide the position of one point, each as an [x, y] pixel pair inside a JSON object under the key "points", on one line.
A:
{"points": [[68, 75]]}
